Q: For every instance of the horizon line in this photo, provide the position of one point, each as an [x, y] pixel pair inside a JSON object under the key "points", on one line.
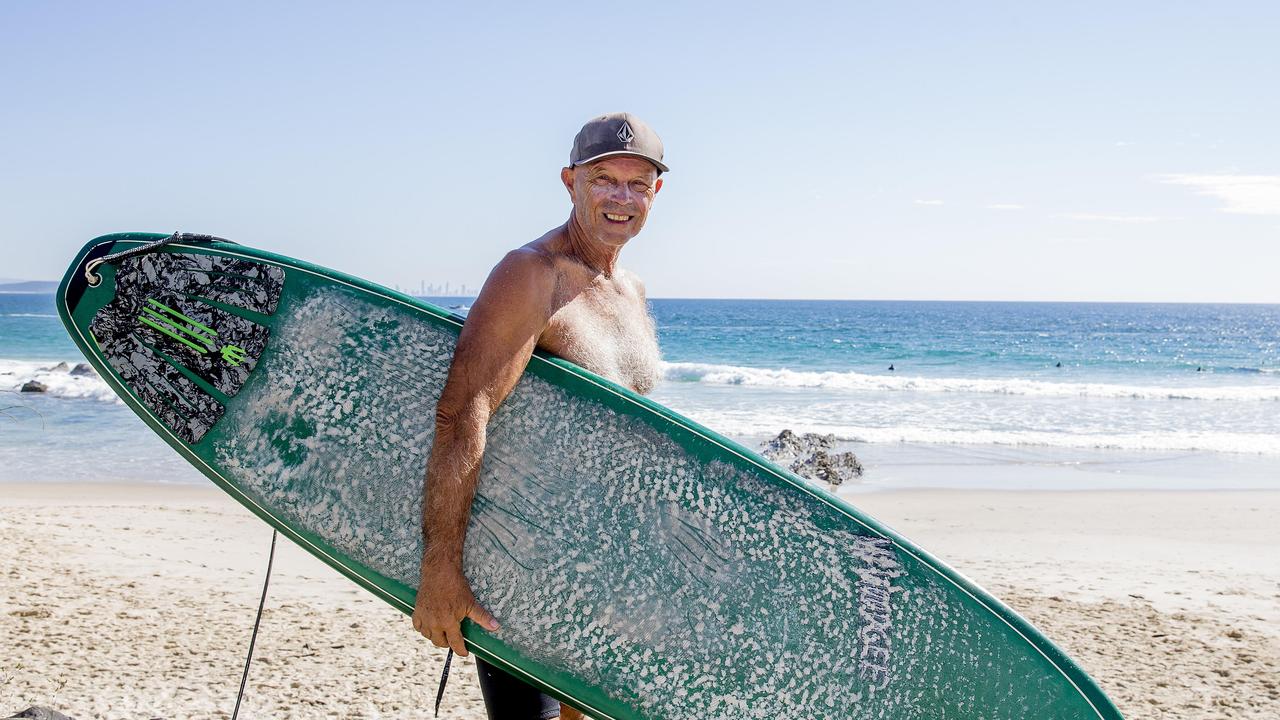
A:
{"points": [[808, 299]]}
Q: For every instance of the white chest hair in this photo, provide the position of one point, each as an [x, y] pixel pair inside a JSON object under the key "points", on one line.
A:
{"points": [[614, 337]]}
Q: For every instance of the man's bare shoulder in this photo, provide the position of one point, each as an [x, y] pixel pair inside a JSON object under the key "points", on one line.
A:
{"points": [[549, 248], [521, 285], [525, 260]]}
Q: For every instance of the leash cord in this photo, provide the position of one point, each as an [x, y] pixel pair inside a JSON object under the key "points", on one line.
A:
{"points": [[90, 269], [253, 639], [444, 678]]}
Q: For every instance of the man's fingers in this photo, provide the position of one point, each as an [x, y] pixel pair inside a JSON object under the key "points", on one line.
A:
{"points": [[437, 638], [422, 627], [482, 617], [455, 642]]}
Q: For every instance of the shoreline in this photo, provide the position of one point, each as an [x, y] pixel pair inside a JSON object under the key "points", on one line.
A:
{"points": [[136, 600], [1012, 468], [127, 450]]}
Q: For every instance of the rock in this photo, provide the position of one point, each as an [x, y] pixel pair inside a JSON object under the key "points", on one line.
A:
{"points": [[60, 367], [833, 469], [808, 456], [41, 713], [789, 446], [784, 447], [32, 386], [83, 369]]}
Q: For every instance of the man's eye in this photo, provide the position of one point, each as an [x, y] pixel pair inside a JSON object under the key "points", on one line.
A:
{"points": [[602, 181], [639, 186]]}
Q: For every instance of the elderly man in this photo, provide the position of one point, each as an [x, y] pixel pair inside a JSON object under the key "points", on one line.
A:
{"points": [[564, 293]]}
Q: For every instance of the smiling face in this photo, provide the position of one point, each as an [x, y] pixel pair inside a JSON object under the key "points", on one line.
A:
{"points": [[612, 196]]}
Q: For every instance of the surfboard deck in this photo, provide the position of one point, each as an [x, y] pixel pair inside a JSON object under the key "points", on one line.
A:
{"points": [[643, 567]]}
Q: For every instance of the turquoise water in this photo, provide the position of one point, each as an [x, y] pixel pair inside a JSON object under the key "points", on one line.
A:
{"points": [[1113, 342], [1070, 375], [1030, 384]]}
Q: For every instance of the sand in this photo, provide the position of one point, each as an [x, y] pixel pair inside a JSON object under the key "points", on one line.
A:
{"points": [[136, 601]]}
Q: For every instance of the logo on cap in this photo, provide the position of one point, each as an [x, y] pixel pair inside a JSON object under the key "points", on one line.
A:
{"points": [[624, 132]]}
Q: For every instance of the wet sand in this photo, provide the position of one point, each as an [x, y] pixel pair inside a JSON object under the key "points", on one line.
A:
{"points": [[137, 601]]}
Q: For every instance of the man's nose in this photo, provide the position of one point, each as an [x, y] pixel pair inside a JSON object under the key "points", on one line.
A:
{"points": [[620, 193]]}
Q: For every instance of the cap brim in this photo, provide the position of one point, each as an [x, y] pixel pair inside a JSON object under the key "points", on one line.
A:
{"points": [[627, 153]]}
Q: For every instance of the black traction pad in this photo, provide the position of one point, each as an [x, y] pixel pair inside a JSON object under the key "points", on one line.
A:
{"points": [[159, 320]]}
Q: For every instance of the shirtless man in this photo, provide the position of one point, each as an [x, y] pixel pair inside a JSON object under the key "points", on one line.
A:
{"points": [[565, 293]]}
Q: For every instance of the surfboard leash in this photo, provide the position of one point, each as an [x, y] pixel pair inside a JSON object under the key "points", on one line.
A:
{"points": [[93, 278], [257, 621], [444, 678]]}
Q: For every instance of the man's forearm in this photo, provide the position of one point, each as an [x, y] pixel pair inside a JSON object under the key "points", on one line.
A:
{"points": [[452, 474]]}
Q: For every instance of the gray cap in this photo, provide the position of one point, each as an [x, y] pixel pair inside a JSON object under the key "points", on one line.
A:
{"points": [[616, 134]]}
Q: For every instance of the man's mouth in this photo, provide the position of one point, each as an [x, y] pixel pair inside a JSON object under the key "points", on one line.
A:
{"points": [[611, 217]]}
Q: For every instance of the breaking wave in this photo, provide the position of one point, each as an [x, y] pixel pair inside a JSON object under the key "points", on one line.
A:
{"points": [[740, 425], [57, 377], [712, 374]]}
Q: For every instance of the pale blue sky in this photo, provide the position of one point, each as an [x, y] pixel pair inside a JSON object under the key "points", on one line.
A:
{"points": [[1066, 151]]}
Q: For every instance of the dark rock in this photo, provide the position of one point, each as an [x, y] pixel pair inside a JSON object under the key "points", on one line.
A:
{"points": [[783, 447], [789, 446], [41, 713], [33, 386], [808, 456], [83, 369], [830, 468]]}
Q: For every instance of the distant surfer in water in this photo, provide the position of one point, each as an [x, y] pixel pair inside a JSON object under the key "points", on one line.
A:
{"points": [[564, 293]]}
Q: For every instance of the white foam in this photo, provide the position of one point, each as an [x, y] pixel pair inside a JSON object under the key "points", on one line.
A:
{"points": [[743, 425], [856, 381], [60, 382]]}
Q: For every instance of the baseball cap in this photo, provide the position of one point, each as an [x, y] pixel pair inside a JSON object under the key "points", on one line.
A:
{"points": [[616, 134]]}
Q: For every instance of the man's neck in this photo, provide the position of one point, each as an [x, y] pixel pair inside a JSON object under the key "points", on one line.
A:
{"points": [[596, 255]]}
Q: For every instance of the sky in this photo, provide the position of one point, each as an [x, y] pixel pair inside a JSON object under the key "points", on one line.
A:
{"points": [[856, 150]]}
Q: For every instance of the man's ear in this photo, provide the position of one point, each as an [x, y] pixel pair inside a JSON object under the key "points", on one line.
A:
{"points": [[566, 177], [657, 185]]}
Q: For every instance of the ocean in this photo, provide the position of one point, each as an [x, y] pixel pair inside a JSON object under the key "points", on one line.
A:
{"points": [[927, 394]]}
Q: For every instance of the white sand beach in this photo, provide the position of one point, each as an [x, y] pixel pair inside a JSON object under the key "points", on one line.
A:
{"points": [[136, 601]]}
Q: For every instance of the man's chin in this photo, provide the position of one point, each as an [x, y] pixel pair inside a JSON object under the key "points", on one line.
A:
{"points": [[614, 234]]}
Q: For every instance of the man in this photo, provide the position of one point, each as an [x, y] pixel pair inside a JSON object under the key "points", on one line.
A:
{"points": [[565, 293]]}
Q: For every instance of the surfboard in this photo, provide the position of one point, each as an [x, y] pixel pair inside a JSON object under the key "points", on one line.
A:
{"points": [[643, 567]]}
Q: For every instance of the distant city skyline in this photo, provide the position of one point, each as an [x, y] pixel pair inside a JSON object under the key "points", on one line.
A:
{"points": [[426, 289], [1025, 152]]}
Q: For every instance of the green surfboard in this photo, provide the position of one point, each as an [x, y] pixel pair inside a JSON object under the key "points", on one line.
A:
{"points": [[642, 566]]}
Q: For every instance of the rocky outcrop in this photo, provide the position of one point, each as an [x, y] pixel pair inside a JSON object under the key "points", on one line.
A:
{"points": [[41, 713], [809, 455], [83, 369], [34, 386], [833, 468]]}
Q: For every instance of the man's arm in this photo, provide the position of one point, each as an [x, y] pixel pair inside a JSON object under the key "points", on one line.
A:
{"points": [[498, 338]]}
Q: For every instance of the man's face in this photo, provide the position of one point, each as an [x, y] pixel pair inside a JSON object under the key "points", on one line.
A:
{"points": [[612, 197]]}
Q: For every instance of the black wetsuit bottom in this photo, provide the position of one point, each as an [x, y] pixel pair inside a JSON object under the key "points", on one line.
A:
{"points": [[509, 698]]}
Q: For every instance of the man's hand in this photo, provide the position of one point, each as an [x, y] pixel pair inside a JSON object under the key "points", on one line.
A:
{"points": [[444, 600]]}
